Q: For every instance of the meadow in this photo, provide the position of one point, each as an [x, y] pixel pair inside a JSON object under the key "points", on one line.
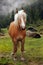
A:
{"points": [[33, 51]]}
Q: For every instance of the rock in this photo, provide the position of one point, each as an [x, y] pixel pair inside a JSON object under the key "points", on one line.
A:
{"points": [[37, 36], [32, 34], [29, 33], [32, 29], [2, 34]]}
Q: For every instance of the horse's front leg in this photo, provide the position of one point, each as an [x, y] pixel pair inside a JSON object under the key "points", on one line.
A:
{"points": [[14, 49], [22, 49]]}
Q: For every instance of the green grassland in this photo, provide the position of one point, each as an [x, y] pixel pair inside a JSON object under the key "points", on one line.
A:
{"points": [[33, 51]]}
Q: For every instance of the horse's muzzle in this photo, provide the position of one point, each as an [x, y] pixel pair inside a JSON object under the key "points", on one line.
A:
{"points": [[23, 28]]}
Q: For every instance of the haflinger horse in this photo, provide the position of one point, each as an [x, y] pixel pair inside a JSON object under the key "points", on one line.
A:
{"points": [[17, 32]]}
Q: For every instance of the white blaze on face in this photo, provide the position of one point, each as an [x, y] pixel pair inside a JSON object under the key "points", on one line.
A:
{"points": [[22, 23], [22, 13]]}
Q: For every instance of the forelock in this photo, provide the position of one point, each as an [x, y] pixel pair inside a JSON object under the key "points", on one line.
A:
{"points": [[21, 12]]}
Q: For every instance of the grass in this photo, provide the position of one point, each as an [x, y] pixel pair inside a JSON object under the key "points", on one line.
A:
{"points": [[33, 48]]}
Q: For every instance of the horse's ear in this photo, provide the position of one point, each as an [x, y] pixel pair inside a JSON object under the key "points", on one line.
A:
{"points": [[23, 9], [16, 10]]}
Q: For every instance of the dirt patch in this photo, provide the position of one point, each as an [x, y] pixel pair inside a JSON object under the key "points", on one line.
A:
{"points": [[2, 34], [33, 63], [6, 64]]}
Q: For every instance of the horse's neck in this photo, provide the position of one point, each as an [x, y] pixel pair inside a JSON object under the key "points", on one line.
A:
{"points": [[16, 23]]}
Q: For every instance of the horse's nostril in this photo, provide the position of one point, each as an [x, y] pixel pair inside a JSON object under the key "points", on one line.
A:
{"points": [[23, 28]]}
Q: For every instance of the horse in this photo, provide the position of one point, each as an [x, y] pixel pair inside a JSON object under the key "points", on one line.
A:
{"points": [[17, 32]]}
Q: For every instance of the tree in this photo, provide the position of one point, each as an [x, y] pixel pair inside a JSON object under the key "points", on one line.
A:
{"points": [[12, 16]]}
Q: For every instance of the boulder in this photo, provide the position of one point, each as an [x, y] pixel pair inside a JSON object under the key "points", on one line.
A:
{"points": [[32, 34], [32, 29]]}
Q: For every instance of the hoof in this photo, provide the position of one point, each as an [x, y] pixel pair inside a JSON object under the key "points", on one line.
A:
{"points": [[12, 53], [15, 59], [22, 59], [24, 51]]}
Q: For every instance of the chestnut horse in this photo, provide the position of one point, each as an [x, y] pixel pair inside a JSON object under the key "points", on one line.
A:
{"points": [[17, 32]]}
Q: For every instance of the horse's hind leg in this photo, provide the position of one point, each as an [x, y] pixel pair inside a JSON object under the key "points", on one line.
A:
{"points": [[22, 49]]}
